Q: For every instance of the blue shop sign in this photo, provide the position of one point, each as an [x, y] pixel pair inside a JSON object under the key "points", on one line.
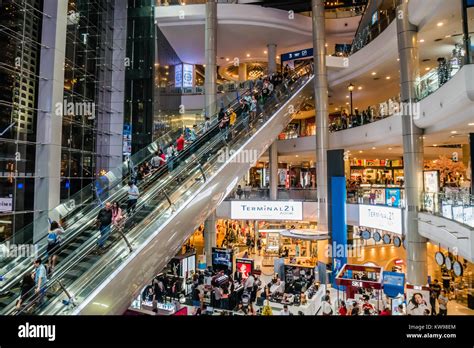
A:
{"points": [[393, 283], [297, 55]]}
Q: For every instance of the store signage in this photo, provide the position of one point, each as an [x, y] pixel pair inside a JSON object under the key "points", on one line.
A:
{"points": [[188, 75], [357, 284], [431, 181], [264, 210], [383, 218], [6, 204], [393, 283], [297, 55]]}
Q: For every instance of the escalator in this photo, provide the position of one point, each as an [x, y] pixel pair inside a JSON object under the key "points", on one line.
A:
{"points": [[167, 213], [78, 214]]}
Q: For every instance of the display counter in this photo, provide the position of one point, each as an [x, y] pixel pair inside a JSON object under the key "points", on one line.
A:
{"points": [[309, 308]]}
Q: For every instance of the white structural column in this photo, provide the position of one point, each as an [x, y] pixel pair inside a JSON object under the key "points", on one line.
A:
{"points": [[412, 146], [242, 72], [272, 151], [49, 125], [273, 171], [210, 56], [271, 52], [321, 101], [210, 237]]}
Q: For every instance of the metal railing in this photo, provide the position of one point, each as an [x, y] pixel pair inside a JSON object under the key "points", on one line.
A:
{"points": [[257, 194]]}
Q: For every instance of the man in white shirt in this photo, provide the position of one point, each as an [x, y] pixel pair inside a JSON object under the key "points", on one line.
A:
{"points": [[249, 282], [133, 194], [285, 310]]}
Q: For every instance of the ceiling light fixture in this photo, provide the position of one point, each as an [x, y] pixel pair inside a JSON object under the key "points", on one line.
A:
{"points": [[248, 54], [374, 73], [454, 132], [388, 77], [359, 88], [422, 40], [471, 124], [440, 24]]}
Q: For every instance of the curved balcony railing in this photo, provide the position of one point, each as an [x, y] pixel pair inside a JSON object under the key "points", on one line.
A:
{"points": [[368, 33], [457, 206]]}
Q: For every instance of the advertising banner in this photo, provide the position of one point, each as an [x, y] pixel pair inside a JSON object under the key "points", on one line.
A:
{"points": [[379, 196], [418, 302], [383, 218], [178, 75], [265, 210], [244, 267], [431, 181], [188, 75], [127, 139], [222, 259], [392, 197]]}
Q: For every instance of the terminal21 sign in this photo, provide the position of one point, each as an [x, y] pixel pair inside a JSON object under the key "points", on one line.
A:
{"points": [[263, 210], [383, 218]]}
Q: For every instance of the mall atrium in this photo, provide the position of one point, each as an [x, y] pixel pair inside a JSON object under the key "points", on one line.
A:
{"points": [[236, 157]]}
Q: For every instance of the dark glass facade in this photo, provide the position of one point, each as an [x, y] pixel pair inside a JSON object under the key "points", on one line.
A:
{"points": [[85, 67], [20, 36]]}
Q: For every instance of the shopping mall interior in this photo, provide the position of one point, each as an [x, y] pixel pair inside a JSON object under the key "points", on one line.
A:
{"points": [[236, 157]]}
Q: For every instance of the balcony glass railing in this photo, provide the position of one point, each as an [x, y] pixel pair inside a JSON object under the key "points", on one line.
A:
{"points": [[258, 194], [373, 113], [437, 77], [457, 206], [368, 33]]}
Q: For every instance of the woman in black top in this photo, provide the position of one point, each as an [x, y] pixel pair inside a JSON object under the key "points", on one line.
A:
{"points": [[27, 285]]}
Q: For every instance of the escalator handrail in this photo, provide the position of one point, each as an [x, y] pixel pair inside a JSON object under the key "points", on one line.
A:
{"points": [[241, 121]]}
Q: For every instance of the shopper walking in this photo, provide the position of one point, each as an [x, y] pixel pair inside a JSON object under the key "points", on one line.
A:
{"points": [[326, 307], [54, 241], [342, 308], [443, 303], [117, 217], [104, 219], [40, 280], [133, 194]]}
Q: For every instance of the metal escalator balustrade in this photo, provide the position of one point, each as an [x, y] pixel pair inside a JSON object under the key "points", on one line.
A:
{"points": [[81, 228], [85, 275]]}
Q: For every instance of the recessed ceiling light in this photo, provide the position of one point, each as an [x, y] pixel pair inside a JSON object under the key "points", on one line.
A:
{"points": [[248, 54], [359, 88], [440, 24], [373, 148], [361, 151], [337, 109], [435, 145], [390, 148], [374, 73], [454, 132], [347, 96], [427, 68], [297, 156], [398, 59], [265, 52], [447, 36], [422, 40], [347, 103], [388, 77], [471, 124], [227, 59]]}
